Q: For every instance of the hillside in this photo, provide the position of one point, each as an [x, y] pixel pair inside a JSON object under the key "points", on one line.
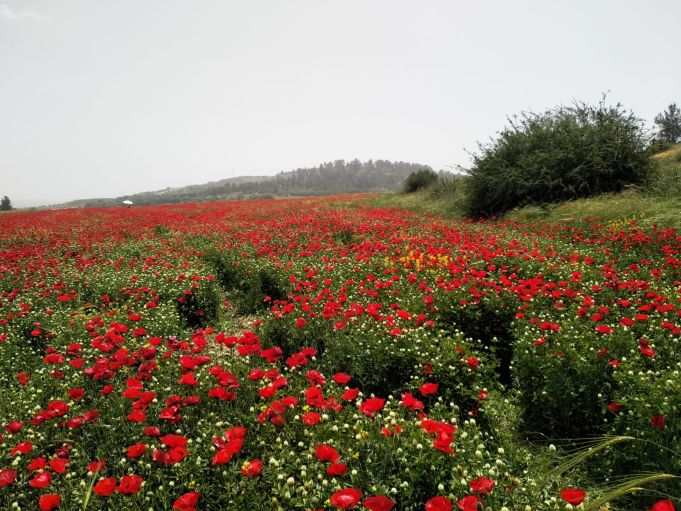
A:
{"points": [[672, 153], [336, 177]]}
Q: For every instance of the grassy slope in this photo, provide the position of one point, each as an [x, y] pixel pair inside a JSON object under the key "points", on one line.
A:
{"points": [[659, 202]]}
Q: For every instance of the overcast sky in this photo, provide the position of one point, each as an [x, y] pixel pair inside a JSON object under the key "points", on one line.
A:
{"points": [[103, 98]]}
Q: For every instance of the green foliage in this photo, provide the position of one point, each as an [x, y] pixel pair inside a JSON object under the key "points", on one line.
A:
{"points": [[562, 394], [561, 154], [200, 307], [488, 321], [669, 124], [659, 145], [419, 179], [251, 289]]}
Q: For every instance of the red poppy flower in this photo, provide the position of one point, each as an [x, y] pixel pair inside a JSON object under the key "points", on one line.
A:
{"points": [[23, 378], [58, 465], [41, 480], [222, 394], [647, 351], [346, 498], [96, 466], [337, 469], [106, 390], [49, 502], [137, 416], [105, 487], [573, 496], [443, 442], [657, 422], [76, 394], [428, 389], [341, 378], [469, 503], [378, 503], [482, 485], [614, 407], [326, 453], [130, 484], [350, 394], [37, 464], [410, 402], [311, 418], [22, 448], [663, 505], [173, 440], [252, 468], [188, 379], [14, 427], [152, 431], [7, 476], [370, 407], [187, 502], [473, 362], [439, 504], [136, 450]]}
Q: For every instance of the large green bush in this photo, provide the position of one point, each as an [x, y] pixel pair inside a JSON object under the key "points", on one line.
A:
{"points": [[561, 154], [419, 179]]}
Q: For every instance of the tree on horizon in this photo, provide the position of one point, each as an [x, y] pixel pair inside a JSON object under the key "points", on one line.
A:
{"points": [[669, 124], [5, 204]]}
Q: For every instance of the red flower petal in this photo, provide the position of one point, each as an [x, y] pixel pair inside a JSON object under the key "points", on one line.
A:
{"points": [[130, 484], [49, 502], [439, 504], [337, 469], [573, 496], [469, 503], [663, 505], [41, 480], [346, 498], [187, 502], [378, 503], [105, 487], [482, 485], [326, 453]]}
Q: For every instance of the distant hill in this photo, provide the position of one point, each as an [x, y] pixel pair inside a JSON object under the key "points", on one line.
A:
{"points": [[328, 178]]}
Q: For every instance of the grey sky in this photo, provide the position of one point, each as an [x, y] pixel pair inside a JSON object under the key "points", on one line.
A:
{"points": [[101, 98]]}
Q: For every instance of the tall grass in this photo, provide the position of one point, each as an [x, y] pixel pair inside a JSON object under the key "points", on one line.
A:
{"points": [[666, 180], [451, 192]]}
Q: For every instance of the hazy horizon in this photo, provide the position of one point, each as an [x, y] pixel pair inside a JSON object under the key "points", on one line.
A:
{"points": [[102, 99]]}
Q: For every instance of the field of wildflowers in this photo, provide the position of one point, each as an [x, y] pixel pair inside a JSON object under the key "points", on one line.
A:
{"points": [[390, 360]]}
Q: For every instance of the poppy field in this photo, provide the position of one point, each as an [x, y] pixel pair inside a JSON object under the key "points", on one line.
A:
{"points": [[322, 354]]}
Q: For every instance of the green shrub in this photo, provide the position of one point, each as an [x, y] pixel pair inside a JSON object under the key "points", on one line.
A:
{"points": [[561, 154], [419, 179]]}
